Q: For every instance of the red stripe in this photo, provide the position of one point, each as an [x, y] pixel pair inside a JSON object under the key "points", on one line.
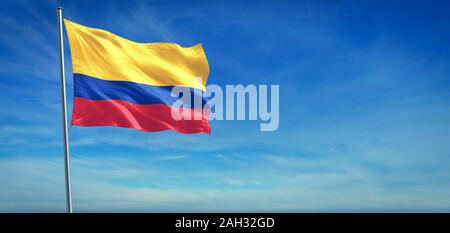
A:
{"points": [[145, 117]]}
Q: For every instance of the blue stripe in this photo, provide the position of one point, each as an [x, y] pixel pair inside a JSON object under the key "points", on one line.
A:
{"points": [[97, 89]]}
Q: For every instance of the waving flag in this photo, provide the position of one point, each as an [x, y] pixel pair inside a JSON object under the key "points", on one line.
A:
{"points": [[123, 83]]}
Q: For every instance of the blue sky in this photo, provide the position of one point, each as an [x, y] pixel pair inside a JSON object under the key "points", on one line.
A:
{"points": [[364, 110]]}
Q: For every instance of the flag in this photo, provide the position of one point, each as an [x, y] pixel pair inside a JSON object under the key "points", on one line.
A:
{"points": [[119, 82]]}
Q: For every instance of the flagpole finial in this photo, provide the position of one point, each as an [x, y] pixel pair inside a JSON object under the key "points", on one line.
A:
{"points": [[59, 8]]}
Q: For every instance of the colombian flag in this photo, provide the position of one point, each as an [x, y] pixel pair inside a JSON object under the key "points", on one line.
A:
{"points": [[123, 83]]}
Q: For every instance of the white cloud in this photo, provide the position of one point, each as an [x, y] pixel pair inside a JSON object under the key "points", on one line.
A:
{"points": [[107, 184]]}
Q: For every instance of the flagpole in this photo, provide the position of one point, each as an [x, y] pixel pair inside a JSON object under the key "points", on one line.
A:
{"points": [[64, 111]]}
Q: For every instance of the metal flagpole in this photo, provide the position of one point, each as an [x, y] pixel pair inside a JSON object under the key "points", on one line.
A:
{"points": [[64, 112]]}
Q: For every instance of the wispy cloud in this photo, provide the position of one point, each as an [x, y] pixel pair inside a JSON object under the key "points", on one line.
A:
{"points": [[99, 185]]}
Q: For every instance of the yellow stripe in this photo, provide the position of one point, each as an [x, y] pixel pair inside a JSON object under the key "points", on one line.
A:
{"points": [[101, 54]]}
